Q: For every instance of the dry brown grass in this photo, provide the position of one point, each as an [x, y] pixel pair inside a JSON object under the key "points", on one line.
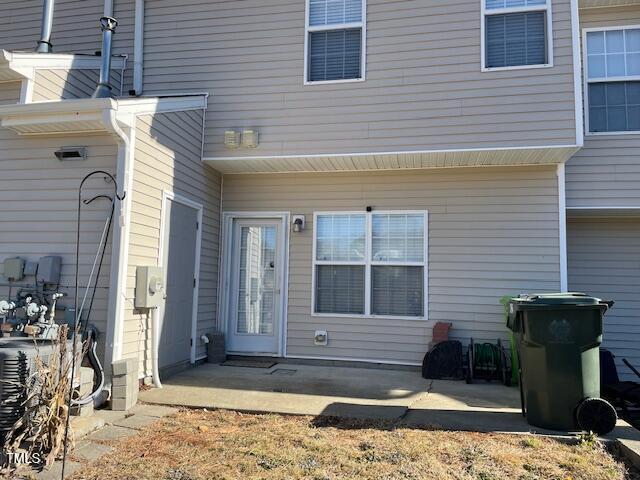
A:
{"points": [[226, 445]]}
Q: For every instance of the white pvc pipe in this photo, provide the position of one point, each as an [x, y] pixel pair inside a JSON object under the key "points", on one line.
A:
{"points": [[108, 8], [155, 344], [138, 48]]}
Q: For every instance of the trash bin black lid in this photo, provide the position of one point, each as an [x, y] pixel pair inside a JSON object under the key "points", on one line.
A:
{"points": [[551, 299]]}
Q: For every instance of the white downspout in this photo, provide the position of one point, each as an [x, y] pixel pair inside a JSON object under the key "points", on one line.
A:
{"points": [[562, 214], [120, 248], [138, 48]]}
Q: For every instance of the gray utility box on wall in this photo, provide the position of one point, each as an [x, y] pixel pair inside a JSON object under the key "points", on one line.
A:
{"points": [[149, 287]]}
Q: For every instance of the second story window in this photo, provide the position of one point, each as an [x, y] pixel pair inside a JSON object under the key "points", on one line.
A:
{"points": [[335, 38], [516, 33], [612, 67]]}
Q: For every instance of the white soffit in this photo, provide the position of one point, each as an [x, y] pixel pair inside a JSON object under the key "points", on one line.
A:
{"points": [[396, 160], [88, 115]]}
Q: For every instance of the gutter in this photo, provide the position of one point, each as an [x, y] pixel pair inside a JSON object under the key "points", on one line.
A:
{"points": [[138, 48]]}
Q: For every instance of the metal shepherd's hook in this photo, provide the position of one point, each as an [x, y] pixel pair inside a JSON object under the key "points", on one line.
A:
{"points": [[77, 313]]}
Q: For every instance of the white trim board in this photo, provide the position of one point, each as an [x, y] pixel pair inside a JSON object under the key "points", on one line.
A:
{"points": [[226, 249], [18, 65], [577, 73], [175, 197], [562, 228]]}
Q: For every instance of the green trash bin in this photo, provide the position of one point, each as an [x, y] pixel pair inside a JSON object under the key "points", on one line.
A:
{"points": [[558, 338]]}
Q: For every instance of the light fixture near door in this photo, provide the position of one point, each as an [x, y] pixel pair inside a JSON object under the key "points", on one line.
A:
{"points": [[298, 223]]}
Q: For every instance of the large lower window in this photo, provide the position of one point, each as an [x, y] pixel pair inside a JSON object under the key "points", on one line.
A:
{"points": [[516, 33], [370, 264], [613, 79], [335, 32]]}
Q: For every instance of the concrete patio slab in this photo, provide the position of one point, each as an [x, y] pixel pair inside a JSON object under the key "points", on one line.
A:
{"points": [[308, 390], [357, 393]]}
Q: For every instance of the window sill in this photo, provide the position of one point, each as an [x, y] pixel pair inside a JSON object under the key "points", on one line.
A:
{"points": [[612, 134], [382, 317], [329, 82], [516, 67]]}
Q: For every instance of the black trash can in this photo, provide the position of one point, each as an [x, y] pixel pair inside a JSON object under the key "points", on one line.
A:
{"points": [[558, 338]]}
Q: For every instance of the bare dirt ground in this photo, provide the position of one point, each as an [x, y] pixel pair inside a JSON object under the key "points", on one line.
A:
{"points": [[195, 445]]}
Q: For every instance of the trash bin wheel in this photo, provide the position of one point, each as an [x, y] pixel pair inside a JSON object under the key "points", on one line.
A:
{"points": [[596, 415]]}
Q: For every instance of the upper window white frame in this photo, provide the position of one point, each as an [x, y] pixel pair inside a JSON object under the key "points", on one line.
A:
{"points": [[368, 262], [339, 26], [547, 7], [586, 80]]}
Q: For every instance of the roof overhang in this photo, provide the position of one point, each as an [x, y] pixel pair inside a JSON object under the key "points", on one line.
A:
{"points": [[89, 115], [606, 211], [546, 155], [16, 66]]}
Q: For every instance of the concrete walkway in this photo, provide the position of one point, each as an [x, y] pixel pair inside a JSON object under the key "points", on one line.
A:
{"points": [[356, 393], [113, 426]]}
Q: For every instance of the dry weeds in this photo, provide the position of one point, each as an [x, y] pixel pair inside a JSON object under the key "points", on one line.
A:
{"points": [[195, 445], [41, 428]]}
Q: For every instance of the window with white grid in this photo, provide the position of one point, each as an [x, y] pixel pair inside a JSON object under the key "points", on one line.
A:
{"points": [[335, 38], [370, 264], [612, 66]]}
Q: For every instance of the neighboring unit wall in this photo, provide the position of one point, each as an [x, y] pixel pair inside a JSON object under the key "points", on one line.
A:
{"points": [[10, 92], [604, 260], [424, 88], [492, 232], [65, 84], [38, 198], [167, 157], [606, 172]]}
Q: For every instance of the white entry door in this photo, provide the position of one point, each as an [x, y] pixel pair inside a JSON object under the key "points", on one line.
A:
{"points": [[255, 295]]}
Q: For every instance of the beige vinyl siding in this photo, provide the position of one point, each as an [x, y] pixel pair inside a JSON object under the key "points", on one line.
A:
{"points": [[75, 27], [424, 89], [10, 92], [38, 195], [604, 260], [492, 231], [167, 157], [606, 172], [66, 84]]}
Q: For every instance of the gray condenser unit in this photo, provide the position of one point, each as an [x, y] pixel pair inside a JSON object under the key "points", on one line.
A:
{"points": [[17, 360]]}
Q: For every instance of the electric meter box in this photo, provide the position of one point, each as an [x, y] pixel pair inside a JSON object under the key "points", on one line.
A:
{"points": [[14, 269], [149, 287], [49, 270]]}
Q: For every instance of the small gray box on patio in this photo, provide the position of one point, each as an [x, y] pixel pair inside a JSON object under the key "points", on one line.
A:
{"points": [[216, 352]]}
